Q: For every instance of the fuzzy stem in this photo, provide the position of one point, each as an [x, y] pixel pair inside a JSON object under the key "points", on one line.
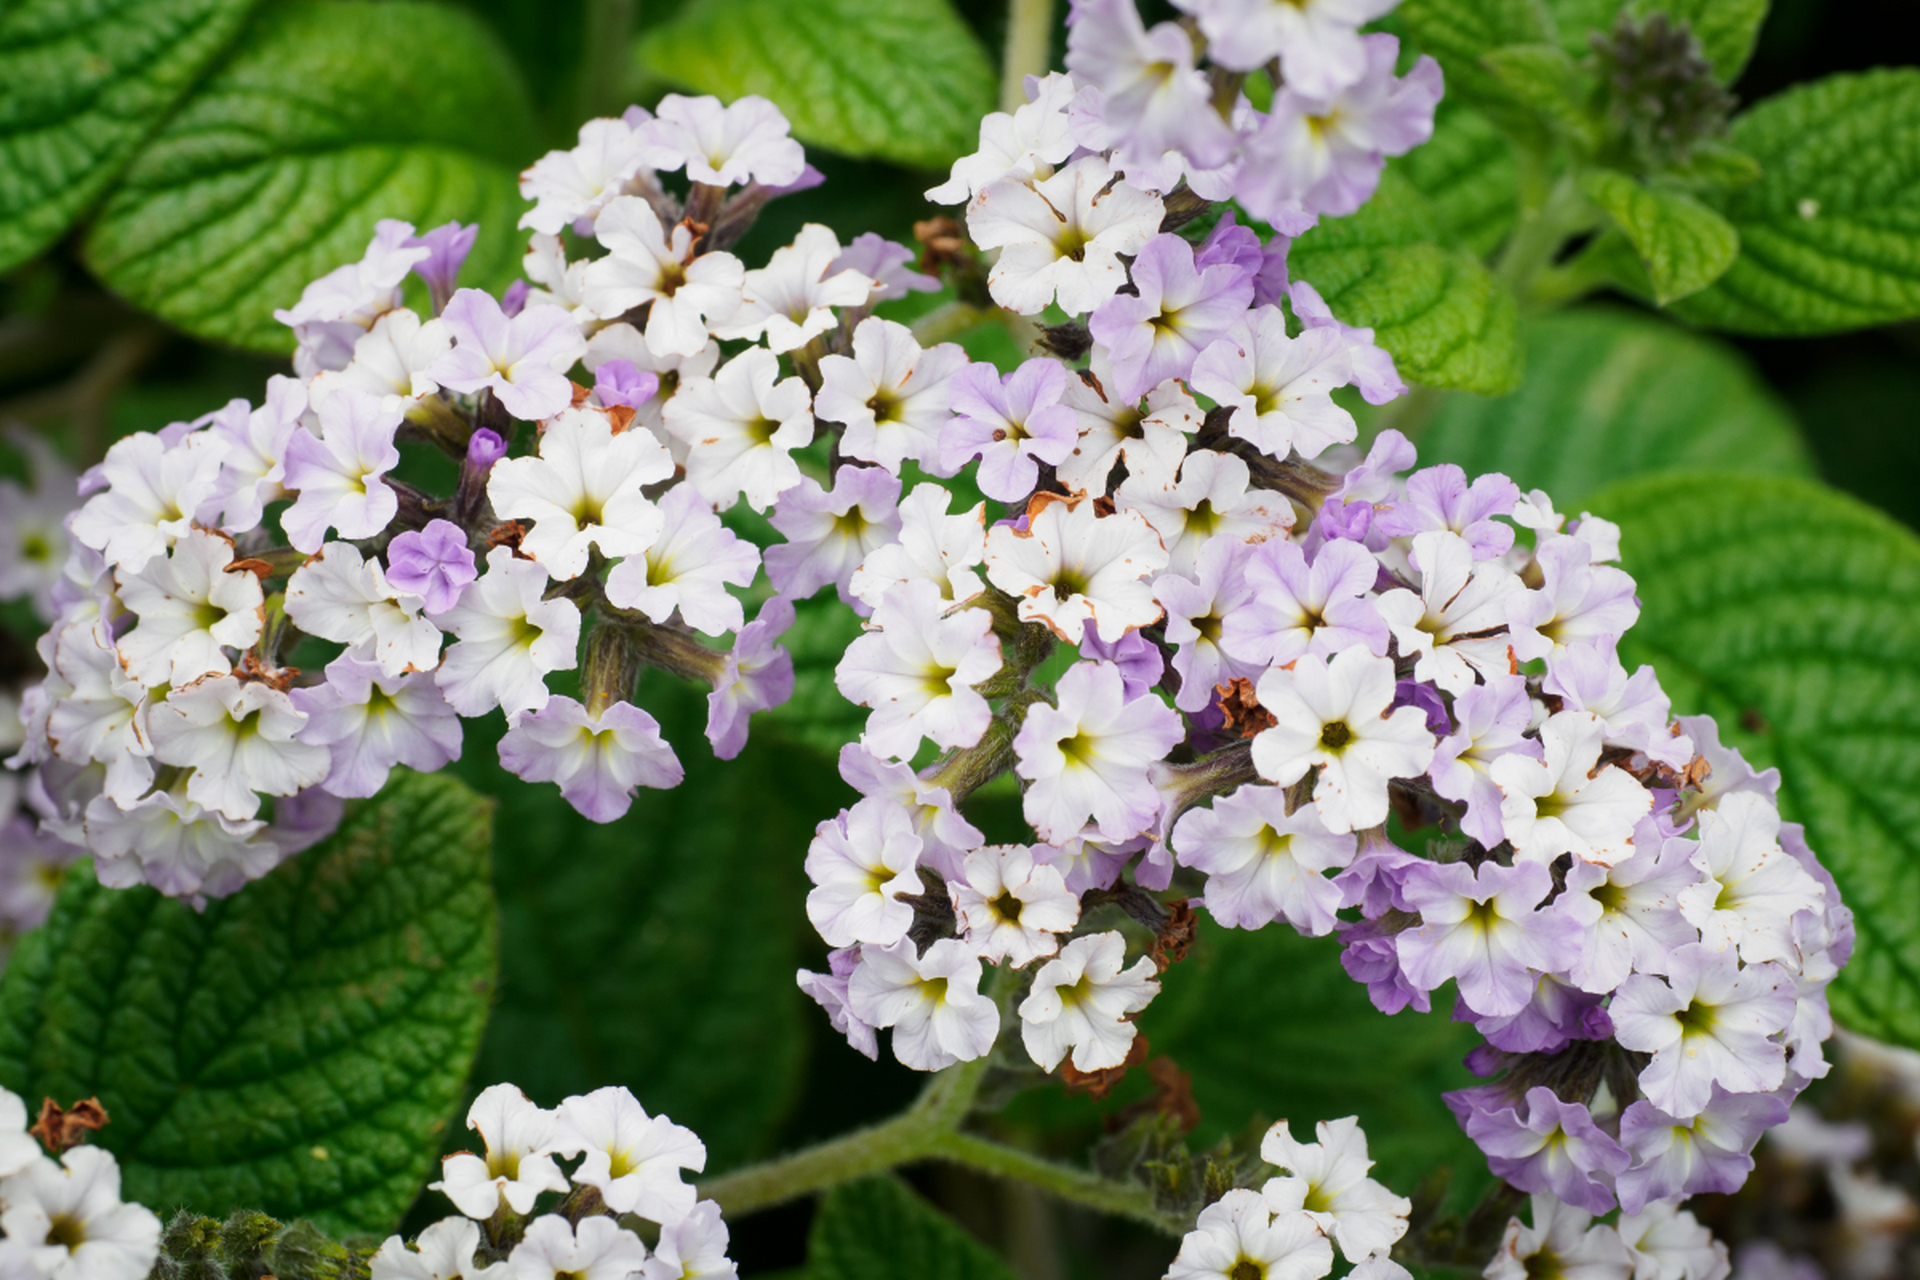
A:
{"points": [[1077, 1186], [1028, 51]]}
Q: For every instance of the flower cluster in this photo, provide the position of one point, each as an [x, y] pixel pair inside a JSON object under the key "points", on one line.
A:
{"points": [[1210, 643], [1322, 1199], [63, 1219], [630, 1163], [183, 746]]}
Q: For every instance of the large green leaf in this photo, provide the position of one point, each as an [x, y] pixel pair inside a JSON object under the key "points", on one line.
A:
{"points": [[86, 81], [1612, 394], [1830, 234], [329, 118], [297, 1048], [1269, 1025], [1466, 172], [658, 952], [1791, 613], [1462, 32], [878, 1229], [1682, 245], [901, 79], [1446, 319]]}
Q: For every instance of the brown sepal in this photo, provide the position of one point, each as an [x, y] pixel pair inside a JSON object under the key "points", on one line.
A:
{"points": [[1098, 1084], [59, 1128], [1172, 1096], [1245, 716], [258, 568], [1176, 936]]}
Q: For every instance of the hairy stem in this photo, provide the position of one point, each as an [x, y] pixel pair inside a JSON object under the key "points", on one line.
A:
{"points": [[1028, 51], [1077, 1186]]}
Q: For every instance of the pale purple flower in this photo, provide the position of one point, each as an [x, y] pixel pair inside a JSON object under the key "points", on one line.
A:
{"points": [[1636, 711], [1375, 479], [1749, 888], [1492, 720], [1547, 1145], [598, 760], [1483, 928], [1558, 1014], [829, 532], [253, 451], [620, 382], [757, 675], [1317, 41], [338, 476], [861, 862], [946, 837], [884, 262], [829, 990], [1139, 659], [447, 248], [688, 568], [1627, 914], [1155, 100], [150, 493], [1440, 498], [1197, 608], [1229, 242], [1278, 388], [522, 359], [370, 721], [1709, 1022], [1297, 608], [1179, 309], [1578, 601], [1711, 1153], [1011, 423], [1326, 151], [1263, 863], [434, 563]]}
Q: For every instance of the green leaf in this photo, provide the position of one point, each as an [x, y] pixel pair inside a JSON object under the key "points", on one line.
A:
{"points": [[658, 952], [1462, 32], [1547, 82], [1830, 234], [878, 1229], [297, 1048], [901, 79], [1447, 321], [329, 118], [1467, 173], [1791, 613], [1726, 29], [86, 82], [1575, 21], [1612, 394], [1270, 1026], [1684, 245]]}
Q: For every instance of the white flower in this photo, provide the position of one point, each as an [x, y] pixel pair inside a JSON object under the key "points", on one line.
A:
{"points": [[1749, 888], [860, 862], [152, 493], [1668, 1243], [566, 186], [597, 760], [18, 1149], [632, 1159], [337, 308], [739, 428], [1062, 236], [1627, 913], [1237, 1236], [917, 671], [69, 1220], [1563, 1241], [239, 738], [687, 568], [1011, 907], [1278, 388], [370, 720], [892, 396], [521, 358], [1567, 802], [1328, 1181], [1153, 440], [829, 532], [791, 299], [510, 636], [583, 491], [598, 1249], [1709, 1021], [1087, 757], [518, 1165], [1082, 1001], [338, 474], [1340, 716], [390, 360], [560, 283], [1456, 626], [932, 546], [340, 597], [190, 607], [728, 145], [1263, 863], [252, 450], [1211, 499], [1300, 608], [169, 842], [1034, 137], [684, 292], [1072, 567], [695, 1246], [102, 713], [1197, 608], [444, 1251], [1578, 600], [946, 837], [932, 1002]]}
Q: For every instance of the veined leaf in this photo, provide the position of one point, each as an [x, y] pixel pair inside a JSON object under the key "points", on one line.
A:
{"points": [[878, 1229], [1683, 245]]}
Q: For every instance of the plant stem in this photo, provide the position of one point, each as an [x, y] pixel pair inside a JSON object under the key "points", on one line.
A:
{"points": [[606, 36], [1028, 51], [1077, 1186], [1542, 231]]}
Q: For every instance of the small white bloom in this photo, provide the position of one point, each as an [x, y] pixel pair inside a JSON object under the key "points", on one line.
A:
{"points": [[685, 292], [892, 395], [566, 186], [1263, 863], [444, 1251], [1749, 888], [932, 1002], [932, 546], [1013, 908], [740, 427], [632, 1159], [695, 1246], [1667, 1242], [1567, 802], [101, 715], [1328, 1181], [370, 720], [1072, 568], [69, 1220], [945, 836], [1087, 757], [340, 597], [1062, 236], [791, 299], [1152, 440], [1563, 1241], [18, 1149], [518, 1165], [727, 145], [1197, 608], [1212, 498], [860, 862], [338, 474], [1083, 1001], [1238, 1236], [687, 568], [169, 842], [152, 493], [390, 360], [1456, 627], [510, 636], [239, 737], [190, 607], [598, 1249], [917, 670], [597, 760], [1032, 139], [830, 532], [1278, 388], [583, 491], [252, 450], [558, 283]]}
